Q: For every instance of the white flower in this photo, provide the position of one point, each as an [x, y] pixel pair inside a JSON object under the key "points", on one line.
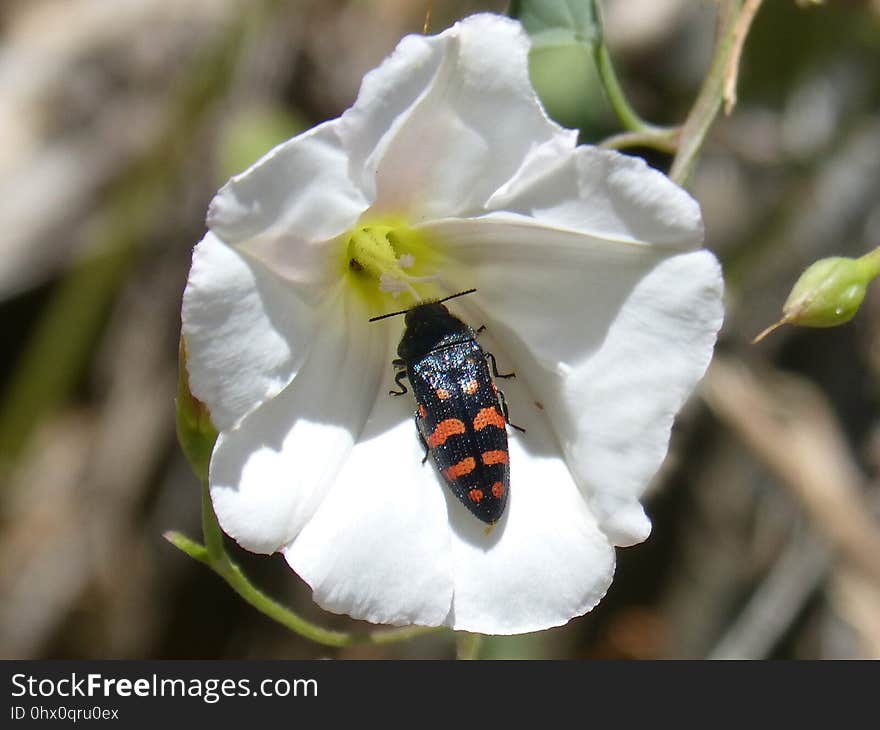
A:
{"points": [[446, 174]]}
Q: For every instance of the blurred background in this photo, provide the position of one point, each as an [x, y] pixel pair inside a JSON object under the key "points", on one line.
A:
{"points": [[118, 121]]}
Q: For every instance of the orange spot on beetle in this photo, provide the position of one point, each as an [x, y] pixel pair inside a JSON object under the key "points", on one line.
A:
{"points": [[497, 490], [471, 387], [475, 495], [495, 457], [442, 394], [488, 417], [462, 468], [423, 413], [445, 429]]}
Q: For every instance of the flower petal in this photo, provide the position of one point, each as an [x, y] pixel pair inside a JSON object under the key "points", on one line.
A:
{"points": [[401, 549], [551, 564], [270, 473], [620, 403], [295, 198], [446, 151], [640, 323], [586, 279], [378, 547], [386, 93], [603, 194], [543, 281], [246, 331], [546, 561]]}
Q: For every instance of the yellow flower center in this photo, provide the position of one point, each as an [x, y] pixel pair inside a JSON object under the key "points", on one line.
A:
{"points": [[387, 258]]}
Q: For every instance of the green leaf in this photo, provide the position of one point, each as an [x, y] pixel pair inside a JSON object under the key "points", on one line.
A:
{"points": [[559, 22], [568, 84], [566, 35]]}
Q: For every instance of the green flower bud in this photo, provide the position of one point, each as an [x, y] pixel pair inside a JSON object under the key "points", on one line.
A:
{"points": [[195, 432], [828, 293]]}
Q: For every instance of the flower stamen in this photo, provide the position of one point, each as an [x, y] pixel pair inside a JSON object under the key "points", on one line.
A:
{"points": [[383, 252]]}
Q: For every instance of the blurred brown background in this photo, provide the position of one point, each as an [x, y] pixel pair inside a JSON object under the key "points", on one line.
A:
{"points": [[118, 121]]}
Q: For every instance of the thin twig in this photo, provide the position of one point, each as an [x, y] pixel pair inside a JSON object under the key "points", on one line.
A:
{"points": [[788, 424], [708, 101], [776, 603], [427, 26], [740, 31]]}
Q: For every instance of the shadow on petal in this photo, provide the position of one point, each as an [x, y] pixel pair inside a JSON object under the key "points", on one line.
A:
{"points": [[270, 473]]}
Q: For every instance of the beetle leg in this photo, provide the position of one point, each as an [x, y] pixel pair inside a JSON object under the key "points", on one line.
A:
{"points": [[401, 374], [506, 412], [422, 438], [491, 358]]}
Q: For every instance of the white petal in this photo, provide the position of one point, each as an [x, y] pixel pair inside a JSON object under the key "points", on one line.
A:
{"points": [[386, 93], [621, 402], [270, 473], [544, 281], [546, 561], [446, 150], [246, 331], [391, 544], [291, 201], [378, 548], [610, 337], [603, 194]]}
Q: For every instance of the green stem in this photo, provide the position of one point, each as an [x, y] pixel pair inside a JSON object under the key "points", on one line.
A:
{"points": [[627, 115], [197, 433], [238, 581], [214, 556], [467, 646], [664, 141], [708, 102]]}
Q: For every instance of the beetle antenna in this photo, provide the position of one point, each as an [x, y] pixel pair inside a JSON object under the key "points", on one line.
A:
{"points": [[386, 316], [453, 296], [404, 311]]}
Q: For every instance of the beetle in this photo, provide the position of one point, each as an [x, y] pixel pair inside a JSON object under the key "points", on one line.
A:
{"points": [[461, 417]]}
